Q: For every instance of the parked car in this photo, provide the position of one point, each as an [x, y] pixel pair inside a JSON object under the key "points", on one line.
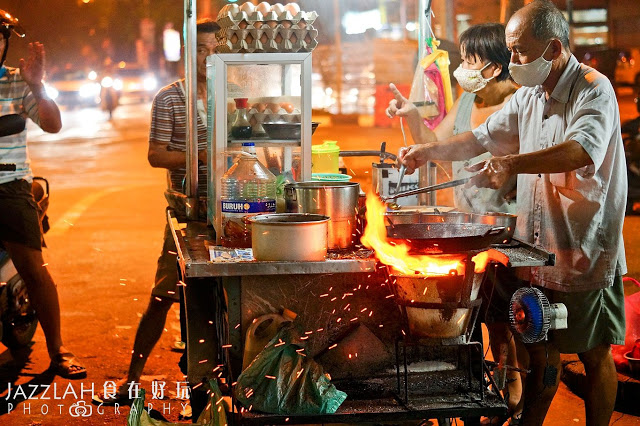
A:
{"points": [[134, 83], [74, 88]]}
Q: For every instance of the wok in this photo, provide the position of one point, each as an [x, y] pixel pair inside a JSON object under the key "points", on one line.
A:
{"points": [[446, 237]]}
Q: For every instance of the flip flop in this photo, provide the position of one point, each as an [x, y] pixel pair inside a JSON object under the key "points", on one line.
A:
{"points": [[66, 365]]}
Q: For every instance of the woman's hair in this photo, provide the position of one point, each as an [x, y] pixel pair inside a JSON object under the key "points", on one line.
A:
{"points": [[487, 42]]}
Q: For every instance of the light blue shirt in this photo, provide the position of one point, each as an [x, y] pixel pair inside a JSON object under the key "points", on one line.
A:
{"points": [[576, 215]]}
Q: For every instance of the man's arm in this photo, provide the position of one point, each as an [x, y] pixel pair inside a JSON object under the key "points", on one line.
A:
{"points": [[32, 70], [160, 156], [458, 147], [564, 157]]}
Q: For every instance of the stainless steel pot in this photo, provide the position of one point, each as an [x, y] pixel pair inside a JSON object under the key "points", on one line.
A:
{"points": [[289, 237], [338, 200]]}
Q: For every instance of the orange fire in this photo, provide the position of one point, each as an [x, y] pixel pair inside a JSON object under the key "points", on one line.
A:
{"points": [[397, 255]]}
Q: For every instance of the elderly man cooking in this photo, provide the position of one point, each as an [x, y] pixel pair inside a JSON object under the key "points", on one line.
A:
{"points": [[560, 134]]}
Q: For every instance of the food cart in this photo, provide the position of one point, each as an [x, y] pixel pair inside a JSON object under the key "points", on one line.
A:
{"points": [[353, 323]]}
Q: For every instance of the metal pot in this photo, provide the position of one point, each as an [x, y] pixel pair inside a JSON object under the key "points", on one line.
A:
{"points": [[338, 200], [289, 237]]}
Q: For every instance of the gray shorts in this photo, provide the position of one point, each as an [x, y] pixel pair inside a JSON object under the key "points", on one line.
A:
{"points": [[596, 317]]}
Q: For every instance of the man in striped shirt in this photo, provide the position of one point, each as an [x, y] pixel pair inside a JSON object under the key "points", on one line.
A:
{"points": [[167, 149], [22, 92]]}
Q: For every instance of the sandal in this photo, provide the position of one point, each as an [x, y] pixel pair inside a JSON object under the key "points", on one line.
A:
{"points": [[66, 365]]}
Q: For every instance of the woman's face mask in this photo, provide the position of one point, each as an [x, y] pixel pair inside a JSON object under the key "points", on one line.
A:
{"points": [[471, 80], [531, 74]]}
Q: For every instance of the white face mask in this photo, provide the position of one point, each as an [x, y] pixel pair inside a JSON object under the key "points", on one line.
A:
{"points": [[531, 74], [471, 80]]}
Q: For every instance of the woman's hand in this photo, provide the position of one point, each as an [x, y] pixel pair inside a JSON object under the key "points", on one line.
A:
{"points": [[400, 106]]}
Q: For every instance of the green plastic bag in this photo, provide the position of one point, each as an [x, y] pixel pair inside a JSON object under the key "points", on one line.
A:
{"points": [[282, 380], [214, 414]]}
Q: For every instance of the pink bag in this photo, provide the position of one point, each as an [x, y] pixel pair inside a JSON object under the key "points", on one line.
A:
{"points": [[632, 315]]}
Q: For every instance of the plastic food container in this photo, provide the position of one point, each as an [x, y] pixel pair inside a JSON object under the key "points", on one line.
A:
{"points": [[325, 157]]}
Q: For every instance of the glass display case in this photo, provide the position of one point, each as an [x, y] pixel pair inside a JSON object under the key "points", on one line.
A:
{"points": [[262, 99]]}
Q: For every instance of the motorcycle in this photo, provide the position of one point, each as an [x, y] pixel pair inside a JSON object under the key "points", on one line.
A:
{"points": [[18, 321], [109, 97]]}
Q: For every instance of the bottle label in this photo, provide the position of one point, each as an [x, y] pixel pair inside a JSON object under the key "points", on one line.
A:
{"points": [[243, 206]]}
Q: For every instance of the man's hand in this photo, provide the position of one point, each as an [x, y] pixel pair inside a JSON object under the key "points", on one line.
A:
{"points": [[492, 173], [400, 106], [32, 69], [413, 156]]}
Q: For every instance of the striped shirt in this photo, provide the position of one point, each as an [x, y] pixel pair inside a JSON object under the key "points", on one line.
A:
{"points": [[168, 125], [16, 98]]}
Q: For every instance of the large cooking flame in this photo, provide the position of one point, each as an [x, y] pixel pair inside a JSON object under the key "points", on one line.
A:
{"points": [[397, 255]]}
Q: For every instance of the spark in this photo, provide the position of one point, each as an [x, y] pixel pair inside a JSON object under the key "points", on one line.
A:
{"points": [[270, 377], [45, 264], [333, 299], [202, 362], [319, 330], [280, 343], [363, 309], [389, 296], [201, 341], [324, 295], [333, 346], [346, 306], [171, 252], [226, 346], [237, 326]]}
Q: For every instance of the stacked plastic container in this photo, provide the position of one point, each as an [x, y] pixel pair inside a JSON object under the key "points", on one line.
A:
{"points": [[263, 28]]}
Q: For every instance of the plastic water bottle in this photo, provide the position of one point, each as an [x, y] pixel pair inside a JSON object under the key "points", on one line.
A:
{"points": [[248, 188], [249, 147]]}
